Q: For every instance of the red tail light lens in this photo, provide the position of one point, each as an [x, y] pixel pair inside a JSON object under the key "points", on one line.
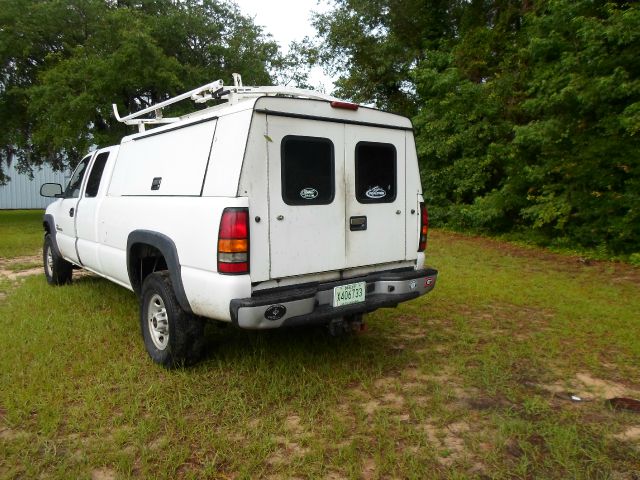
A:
{"points": [[345, 105], [233, 241], [424, 227]]}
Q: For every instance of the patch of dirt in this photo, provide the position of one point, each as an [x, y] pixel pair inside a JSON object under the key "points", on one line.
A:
{"points": [[411, 336], [103, 474], [12, 274], [255, 423], [158, 443], [368, 469], [420, 400], [393, 401], [290, 446], [448, 440], [335, 476], [413, 374], [602, 388], [8, 270], [371, 406], [411, 386], [403, 417], [292, 424], [383, 396], [10, 434], [384, 383], [631, 434], [286, 452], [588, 388], [29, 259]]}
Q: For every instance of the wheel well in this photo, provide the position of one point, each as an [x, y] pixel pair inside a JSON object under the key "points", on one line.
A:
{"points": [[144, 260], [47, 229]]}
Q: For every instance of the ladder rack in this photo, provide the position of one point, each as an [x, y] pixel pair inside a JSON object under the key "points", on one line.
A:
{"points": [[214, 91]]}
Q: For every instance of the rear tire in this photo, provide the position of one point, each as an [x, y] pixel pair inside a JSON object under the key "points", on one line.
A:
{"points": [[56, 269], [171, 336]]}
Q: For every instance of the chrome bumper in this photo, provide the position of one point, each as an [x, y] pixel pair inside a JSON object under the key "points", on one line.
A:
{"points": [[312, 304]]}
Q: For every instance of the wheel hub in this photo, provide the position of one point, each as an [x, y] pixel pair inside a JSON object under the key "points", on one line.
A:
{"points": [[158, 322], [49, 264]]}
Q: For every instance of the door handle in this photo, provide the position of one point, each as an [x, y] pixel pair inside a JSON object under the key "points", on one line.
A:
{"points": [[358, 223], [71, 211]]}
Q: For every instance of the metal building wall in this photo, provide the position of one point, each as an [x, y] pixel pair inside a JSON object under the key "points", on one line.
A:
{"points": [[22, 192]]}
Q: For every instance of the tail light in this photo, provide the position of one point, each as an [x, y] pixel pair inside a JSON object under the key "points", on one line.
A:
{"points": [[424, 227], [233, 241], [345, 105]]}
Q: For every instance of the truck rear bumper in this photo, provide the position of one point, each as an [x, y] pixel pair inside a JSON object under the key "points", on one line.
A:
{"points": [[312, 304]]}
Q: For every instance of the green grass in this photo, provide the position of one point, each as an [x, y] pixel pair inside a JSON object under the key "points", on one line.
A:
{"points": [[21, 232], [22, 266], [457, 384]]}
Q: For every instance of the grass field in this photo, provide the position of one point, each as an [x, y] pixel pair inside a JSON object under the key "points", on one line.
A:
{"points": [[20, 232], [473, 381]]}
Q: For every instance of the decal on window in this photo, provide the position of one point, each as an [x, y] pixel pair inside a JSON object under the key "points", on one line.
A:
{"points": [[376, 192], [308, 193]]}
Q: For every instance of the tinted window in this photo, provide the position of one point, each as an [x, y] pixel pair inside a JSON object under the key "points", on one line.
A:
{"points": [[307, 170], [93, 183], [73, 188], [375, 172]]}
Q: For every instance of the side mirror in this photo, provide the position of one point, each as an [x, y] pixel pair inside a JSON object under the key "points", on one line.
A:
{"points": [[51, 190]]}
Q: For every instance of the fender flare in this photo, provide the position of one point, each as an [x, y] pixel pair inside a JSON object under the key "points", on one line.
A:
{"points": [[50, 222], [167, 248]]}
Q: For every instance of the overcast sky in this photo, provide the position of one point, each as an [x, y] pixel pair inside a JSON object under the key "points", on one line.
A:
{"points": [[288, 21]]}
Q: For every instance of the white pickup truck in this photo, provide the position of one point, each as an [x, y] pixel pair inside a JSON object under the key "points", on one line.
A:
{"points": [[281, 207]]}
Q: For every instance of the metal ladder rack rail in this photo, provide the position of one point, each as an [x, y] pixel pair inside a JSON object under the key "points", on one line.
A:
{"points": [[132, 119], [215, 91]]}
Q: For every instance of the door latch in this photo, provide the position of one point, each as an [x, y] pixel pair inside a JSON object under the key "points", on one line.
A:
{"points": [[358, 223]]}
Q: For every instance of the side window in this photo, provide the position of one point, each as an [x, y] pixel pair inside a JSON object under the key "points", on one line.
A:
{"points": [[307, 170], [73, 188], [93, 183], [375, 172]]}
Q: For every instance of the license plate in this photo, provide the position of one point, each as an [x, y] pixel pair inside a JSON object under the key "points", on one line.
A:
{"points": [[348, 294]]}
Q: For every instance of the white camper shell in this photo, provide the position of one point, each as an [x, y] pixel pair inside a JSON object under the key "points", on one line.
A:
{"points": [[278, 208]]}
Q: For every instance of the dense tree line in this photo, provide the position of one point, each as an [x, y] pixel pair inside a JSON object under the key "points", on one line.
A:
{"points": [[527, 112], [64, 62]]}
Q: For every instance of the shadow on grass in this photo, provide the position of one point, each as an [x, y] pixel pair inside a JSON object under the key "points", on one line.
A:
{"points": [[285, 351]]}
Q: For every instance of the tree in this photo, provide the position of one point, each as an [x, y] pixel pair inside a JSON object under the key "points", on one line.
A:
{"points": [[526, 113], [580, 137], [63, 63], [375, 46]]}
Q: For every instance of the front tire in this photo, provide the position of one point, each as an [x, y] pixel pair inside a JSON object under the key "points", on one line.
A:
{"points": [[56, 269], [171, 336]]}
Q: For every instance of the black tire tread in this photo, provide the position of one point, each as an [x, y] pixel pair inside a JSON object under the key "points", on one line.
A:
{"points": [[62, 270], [186, 331]]}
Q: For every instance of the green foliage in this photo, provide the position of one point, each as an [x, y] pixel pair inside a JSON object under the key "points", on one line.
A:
{"points": [[374, 45], [527, 117], [64, 63], [578, 136]]}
